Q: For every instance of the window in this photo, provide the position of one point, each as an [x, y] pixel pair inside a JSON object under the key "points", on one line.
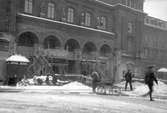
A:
{"points": [[101, 22], [70, 15], [85, 19], [28, 6], [133, 4], [82, 18], [152, 22], [130, 27], [42, 9], [51, 10], [160, 24], [126, 2], [130, 3], [147, 20], [63, 18]]}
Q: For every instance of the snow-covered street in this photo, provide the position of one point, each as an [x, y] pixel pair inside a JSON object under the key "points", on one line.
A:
{"points": [[62, 99], [72, 103]]}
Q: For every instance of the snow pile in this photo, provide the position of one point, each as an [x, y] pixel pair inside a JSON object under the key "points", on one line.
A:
{"points": [[76, 85], [141, 89], [161, 88], [70, 87]]}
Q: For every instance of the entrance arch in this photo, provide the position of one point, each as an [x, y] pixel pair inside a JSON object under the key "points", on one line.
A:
{"points": [[105, 50], [71, 45], [51, 42], [89, 48], [88, 65], [27, 44], [28, 39]]}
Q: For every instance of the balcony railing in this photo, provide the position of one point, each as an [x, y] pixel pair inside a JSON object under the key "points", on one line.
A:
{"points": [[26, 51], [89, 56], [60, 53]]}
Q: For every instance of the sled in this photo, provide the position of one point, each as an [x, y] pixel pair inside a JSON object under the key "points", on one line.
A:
{"points": [[108, 88]]}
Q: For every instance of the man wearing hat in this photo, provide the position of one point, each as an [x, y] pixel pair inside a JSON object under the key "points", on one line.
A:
{"points": [[128, 78], [96, 78], [149, 79]]}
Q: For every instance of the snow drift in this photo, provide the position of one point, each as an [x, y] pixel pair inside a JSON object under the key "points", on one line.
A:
{"points": [[141, 89]]}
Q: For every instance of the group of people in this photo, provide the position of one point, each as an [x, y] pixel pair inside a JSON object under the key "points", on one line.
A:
{"points": [[149, 79], [49, 79]]}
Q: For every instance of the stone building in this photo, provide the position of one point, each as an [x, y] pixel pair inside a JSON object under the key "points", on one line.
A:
{"points": [[63, 36], [154, 42], [76, 36]]}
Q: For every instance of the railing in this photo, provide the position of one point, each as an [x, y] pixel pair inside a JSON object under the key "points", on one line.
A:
{"points": [[39, 64], [59, 53], [154, 22], [89, 56], [4, 47], [26, 51]]}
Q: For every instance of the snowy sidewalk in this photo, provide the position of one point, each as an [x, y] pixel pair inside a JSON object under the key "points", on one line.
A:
{"points": [[73, 87], [160, 90]]}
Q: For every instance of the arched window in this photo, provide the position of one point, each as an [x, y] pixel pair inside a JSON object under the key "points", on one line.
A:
{"points": [[71, 45], [27, 39], [101, 22], [89, 48], [51, 10], [105, 50], [28, 6], [70, 15], [51, 42], [86, 18]]}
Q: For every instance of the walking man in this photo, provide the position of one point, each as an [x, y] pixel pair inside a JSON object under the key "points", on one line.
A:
{"points": [[149, 79], [95, 79], [128, 79]]}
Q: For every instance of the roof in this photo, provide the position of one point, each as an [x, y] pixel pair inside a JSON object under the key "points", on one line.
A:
{"points": [[17, 58]]}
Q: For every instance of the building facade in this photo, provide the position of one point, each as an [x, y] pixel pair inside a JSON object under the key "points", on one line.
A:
{"points": [[76, 36], [154, 41]]}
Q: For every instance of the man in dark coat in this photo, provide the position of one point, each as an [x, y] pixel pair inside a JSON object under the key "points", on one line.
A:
{"points": [[128, 79], [95, 79], [149, 79]]}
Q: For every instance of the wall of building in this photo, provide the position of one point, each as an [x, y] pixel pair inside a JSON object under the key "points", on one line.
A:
{"points": [[42, 26], [129, 26], [154, 43], [135, 39], [135, 4], [4, 15], [40, 10], [125, 22]]}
